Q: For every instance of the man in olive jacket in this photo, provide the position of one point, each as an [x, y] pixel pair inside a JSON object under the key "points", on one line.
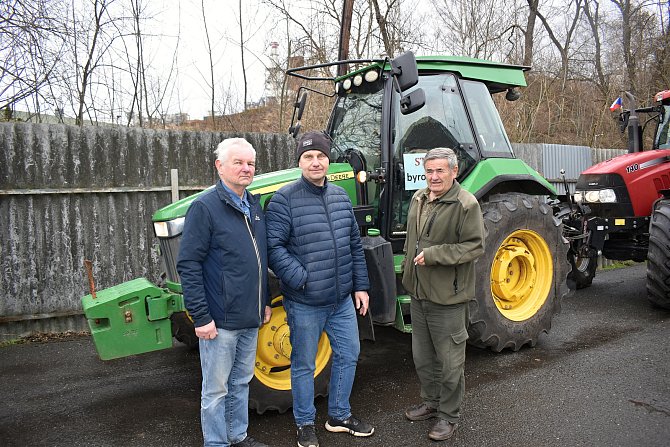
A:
{"points": [[445, 234]]}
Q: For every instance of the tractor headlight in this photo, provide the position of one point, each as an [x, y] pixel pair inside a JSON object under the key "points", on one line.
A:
{"points": [[169, 228], [578, 197], [607, 196], [599, 196]]}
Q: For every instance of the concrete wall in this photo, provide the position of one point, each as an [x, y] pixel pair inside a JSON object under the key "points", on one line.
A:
{"points": [[69, 193]]}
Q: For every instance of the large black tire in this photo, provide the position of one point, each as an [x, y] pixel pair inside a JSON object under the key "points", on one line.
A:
{"points": [[183, 329], [658, 257], [521, 277], [263, 397], [583, 269]]}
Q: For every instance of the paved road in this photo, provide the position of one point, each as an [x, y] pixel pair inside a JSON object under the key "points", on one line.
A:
{"points": [[600, 378]]}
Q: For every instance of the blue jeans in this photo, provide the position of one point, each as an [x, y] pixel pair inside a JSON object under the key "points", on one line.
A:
{"points": [[306, 324], [227, 364]]}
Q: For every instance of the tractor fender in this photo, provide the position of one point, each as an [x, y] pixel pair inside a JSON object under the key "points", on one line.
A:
{"points": [[506, 183]]}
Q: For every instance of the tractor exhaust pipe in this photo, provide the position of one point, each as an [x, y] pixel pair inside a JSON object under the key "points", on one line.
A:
{"points": [[634, 128]]}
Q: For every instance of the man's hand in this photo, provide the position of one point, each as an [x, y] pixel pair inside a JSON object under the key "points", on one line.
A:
{"points": [[362, 301], [207, 332], [268, 314], [419, 260]]}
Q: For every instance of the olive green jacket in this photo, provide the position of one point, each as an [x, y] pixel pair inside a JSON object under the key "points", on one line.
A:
{"points": [[451, 240]]}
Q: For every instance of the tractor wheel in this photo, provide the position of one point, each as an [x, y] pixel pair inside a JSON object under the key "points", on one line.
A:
{"points": [[583, 269], [658, 257], [183, 329], [270, 388], [522, 275]]}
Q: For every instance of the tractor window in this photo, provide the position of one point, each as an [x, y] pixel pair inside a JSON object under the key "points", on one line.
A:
{"points": [[490, 130], [663, 134], [442, 122], [356, 124]]}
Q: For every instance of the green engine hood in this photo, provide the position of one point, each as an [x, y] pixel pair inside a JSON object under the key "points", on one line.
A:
{"points": [[266, 185]]}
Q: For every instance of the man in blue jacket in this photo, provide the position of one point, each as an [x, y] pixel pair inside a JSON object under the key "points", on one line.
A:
{"points": [[223, 268], [315, 249]]}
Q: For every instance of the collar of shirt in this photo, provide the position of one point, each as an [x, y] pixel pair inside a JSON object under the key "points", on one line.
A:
{"points": [[242, 203], [426, 196]]}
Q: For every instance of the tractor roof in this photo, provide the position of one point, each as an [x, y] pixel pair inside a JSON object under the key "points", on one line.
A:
{"points": [[497, 76], [662, 97]]}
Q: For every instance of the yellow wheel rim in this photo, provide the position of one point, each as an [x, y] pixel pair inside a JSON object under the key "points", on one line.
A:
{"points": [[521, 275], [273, 356]]}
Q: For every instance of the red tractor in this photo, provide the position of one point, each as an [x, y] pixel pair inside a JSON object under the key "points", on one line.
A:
{"points": [[621, 207]]}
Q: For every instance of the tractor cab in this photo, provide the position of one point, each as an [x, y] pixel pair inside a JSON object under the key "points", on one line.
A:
{"points": [[372, 130], [662, 137]]}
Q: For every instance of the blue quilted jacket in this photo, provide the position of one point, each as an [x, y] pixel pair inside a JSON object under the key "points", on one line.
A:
{"points": [[314, 245]]}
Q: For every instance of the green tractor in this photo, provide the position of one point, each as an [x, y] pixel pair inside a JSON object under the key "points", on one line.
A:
{"points": [[386, 115]]}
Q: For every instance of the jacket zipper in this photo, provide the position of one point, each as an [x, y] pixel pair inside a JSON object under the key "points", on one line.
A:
{"points": [[416, 253], [416, 248], [332, 235], [260, 269], [430, 223]]}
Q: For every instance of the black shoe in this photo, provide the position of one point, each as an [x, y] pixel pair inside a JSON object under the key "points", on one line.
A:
{"points": [[442, 430], [350, 425], [307, 436], [249, 442], [421, 412]]}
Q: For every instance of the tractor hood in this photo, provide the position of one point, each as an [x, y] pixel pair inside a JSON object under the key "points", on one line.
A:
{"points": [[631, 163], [265, 185]]}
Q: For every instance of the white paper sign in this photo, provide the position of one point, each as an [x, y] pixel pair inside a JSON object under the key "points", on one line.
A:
{"points": [[415, 176]]}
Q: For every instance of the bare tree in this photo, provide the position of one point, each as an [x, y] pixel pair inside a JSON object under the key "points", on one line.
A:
{"points": [[316, 27], [211, 62], [474, 28], [562, 47], [636, 23], [529, 33], [90, 37], [31, 46], [244, 71], [383, 30], [592, 14]]}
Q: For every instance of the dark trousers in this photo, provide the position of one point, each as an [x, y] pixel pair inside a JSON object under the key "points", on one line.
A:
{"points": [[439, 335]]}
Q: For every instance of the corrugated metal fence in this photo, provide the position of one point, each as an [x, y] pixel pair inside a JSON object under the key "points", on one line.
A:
{"points": [[69, 194], [550, 159]]}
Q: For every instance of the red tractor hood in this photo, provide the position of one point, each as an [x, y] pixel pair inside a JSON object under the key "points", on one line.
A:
{"points": [[644, 174]]}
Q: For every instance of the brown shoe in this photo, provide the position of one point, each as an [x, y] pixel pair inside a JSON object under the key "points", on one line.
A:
{"points": [[420, 412], [442, 430]]}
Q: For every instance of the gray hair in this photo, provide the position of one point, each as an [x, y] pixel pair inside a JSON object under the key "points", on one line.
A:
{"points": [[226, 145], [442, 153]]}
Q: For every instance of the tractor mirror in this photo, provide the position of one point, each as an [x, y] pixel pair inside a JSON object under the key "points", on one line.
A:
{"points": [[412, 102], [405, 71], [300, 105], [294, 130]]}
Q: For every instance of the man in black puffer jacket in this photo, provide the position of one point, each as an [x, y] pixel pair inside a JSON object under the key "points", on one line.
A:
{"points": [[314, 247]]}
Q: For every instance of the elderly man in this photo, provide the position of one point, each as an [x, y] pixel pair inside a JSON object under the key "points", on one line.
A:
{"points": [[315, 250], [445, 234], [223, 268]]}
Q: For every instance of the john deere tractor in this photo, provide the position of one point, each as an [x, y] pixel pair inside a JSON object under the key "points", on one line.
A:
{"points": [[621, 206], [386, 115]]}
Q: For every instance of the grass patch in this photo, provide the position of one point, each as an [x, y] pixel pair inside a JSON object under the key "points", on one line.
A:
{"points": [[17, 341], [41, 337], [619, 265]]}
